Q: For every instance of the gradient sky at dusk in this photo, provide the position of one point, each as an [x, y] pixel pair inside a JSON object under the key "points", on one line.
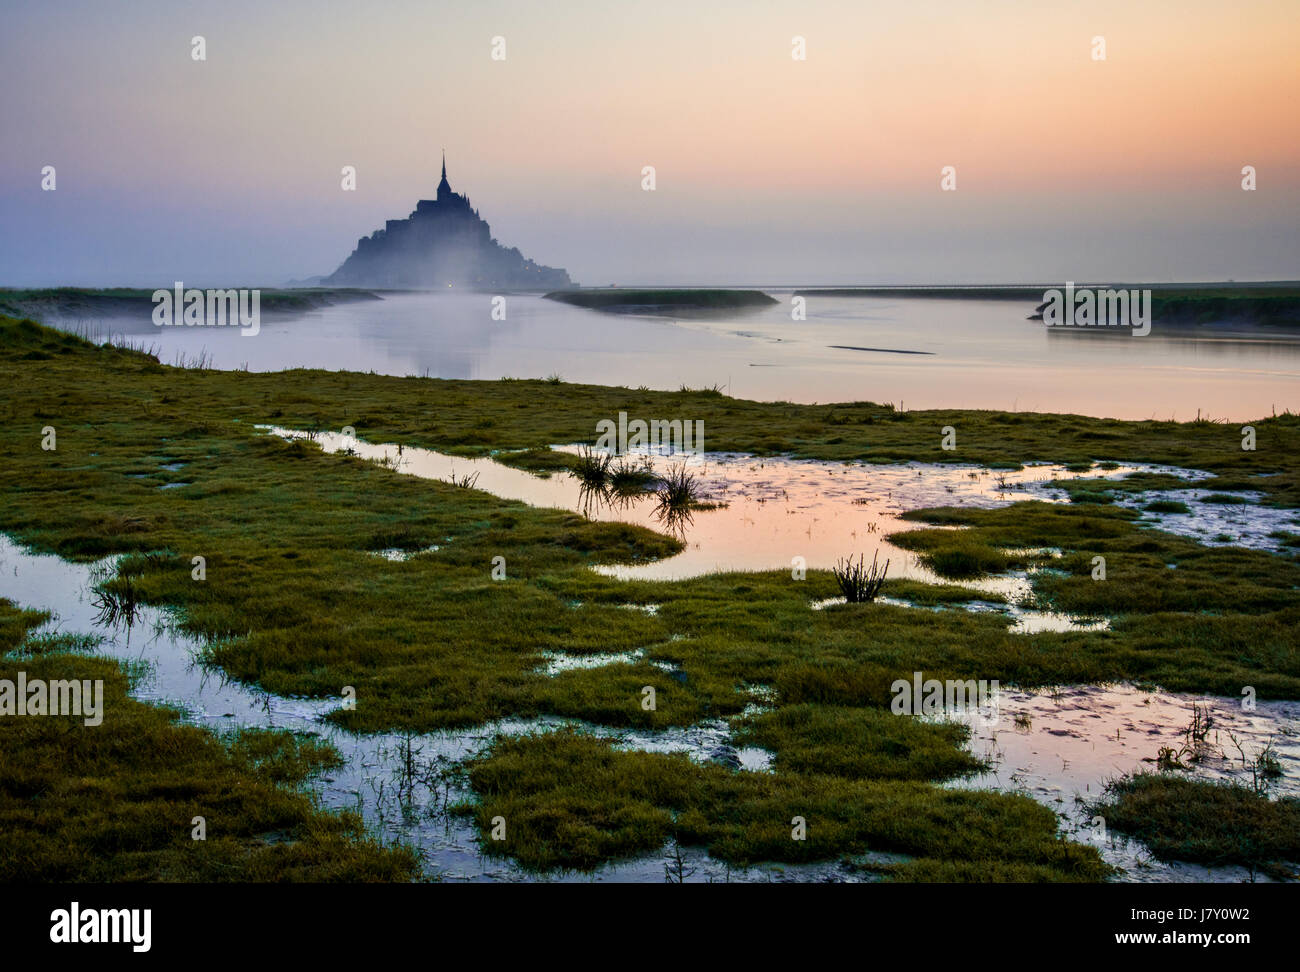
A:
{"points": [[770, 170]]}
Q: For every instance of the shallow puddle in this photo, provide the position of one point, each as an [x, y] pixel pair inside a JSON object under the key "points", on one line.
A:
{"points": [[399, 556], [560, 661], [1062, 746], [1021, 620], [1240, 524], [768, 511]]}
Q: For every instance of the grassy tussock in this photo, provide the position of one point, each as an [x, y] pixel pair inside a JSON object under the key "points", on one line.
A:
{"points": [[860, 743], [1205, 822]]}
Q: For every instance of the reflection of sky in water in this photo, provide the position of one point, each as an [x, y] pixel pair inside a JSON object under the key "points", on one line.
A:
{"points": [[984, 353], [1062, 747], [1066, 744], [771, 510]]}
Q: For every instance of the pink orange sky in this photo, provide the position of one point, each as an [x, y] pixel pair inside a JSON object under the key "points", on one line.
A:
{"points": [[769, 170]]}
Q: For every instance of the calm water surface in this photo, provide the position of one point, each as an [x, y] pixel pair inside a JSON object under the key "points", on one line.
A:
{"points": [[978, 353]]}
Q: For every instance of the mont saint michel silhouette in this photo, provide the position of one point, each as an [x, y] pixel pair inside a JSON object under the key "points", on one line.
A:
{"points": [[444, 243]]}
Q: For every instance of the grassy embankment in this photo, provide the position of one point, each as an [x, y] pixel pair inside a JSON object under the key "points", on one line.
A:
{"points": [[65, 302], [295, 601]]}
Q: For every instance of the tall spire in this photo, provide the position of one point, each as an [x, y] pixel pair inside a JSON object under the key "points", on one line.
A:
{"points": [[444, 187]]}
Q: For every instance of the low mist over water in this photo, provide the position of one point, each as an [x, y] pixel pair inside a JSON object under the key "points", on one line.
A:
{"points": [[963, 353]]}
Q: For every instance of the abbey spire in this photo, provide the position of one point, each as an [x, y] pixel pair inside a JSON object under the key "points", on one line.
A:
{"points": [[444, 187]]}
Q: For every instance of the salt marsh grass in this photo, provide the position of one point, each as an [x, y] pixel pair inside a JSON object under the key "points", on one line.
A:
{"points": [[296, 603]]}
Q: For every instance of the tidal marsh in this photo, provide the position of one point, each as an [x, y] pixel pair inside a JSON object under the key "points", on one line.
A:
{"points": [[119, 802], [294, 601]]}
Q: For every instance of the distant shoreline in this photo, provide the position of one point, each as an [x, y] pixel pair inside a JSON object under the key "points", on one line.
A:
{"points": [[616, 300], [1270, 304], [1259, 288], [121, 301]]}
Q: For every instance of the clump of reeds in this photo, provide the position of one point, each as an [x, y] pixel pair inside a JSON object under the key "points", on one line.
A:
{"points": [[592, 467], [463, 482], [858, 583], [1202, 723], [628, 478], [1194, 747], [202, 361], [118, 603], [677, 497], [676, 490]]}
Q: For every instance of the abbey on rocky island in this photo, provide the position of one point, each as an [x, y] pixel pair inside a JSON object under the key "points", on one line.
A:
{"points": [[444, 243]]}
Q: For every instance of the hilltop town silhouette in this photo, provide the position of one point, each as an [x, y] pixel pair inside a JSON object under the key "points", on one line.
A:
{"points": [[443, 243]]}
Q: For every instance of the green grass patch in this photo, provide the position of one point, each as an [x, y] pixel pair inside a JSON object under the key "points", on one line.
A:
{"points": [[860, 743], [1166, 506], [1225, 499], [1205, 822], [956, 554], [572, 801], [542, 461]]}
